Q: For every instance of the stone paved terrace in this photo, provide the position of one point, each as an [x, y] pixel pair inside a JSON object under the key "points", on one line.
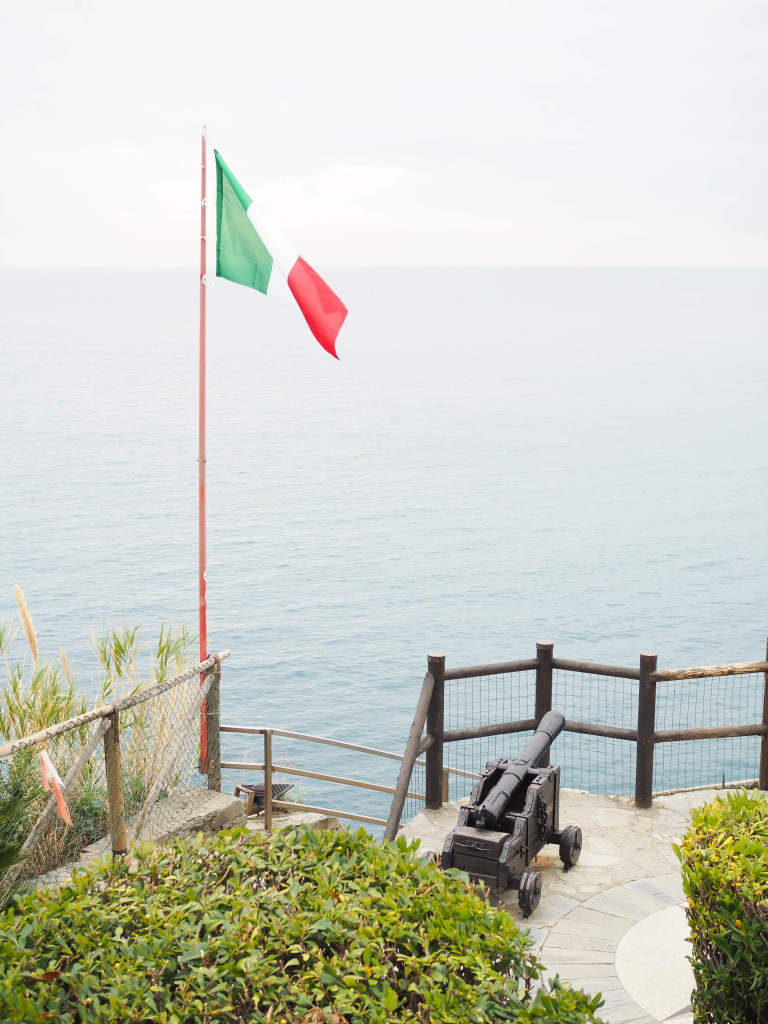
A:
{"points": [[615, 923]]}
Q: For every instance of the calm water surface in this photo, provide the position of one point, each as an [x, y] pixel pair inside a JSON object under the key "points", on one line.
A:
{"points": [[500, 456]]}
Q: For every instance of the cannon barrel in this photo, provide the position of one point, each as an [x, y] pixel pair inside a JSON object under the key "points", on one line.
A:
{"points": [[495, 804]]}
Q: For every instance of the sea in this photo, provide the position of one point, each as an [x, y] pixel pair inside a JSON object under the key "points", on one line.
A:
{"points": [[501, 455]]}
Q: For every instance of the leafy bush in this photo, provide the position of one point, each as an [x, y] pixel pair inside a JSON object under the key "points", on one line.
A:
{"points": [[11, 809], [298, 926], [725, 876]]}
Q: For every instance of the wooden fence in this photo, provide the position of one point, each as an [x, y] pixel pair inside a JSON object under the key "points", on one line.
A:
{"points": [[430, 713], [426, 745]]}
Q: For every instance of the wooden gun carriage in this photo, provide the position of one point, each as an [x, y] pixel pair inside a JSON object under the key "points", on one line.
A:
{"points": [[513, 812]]}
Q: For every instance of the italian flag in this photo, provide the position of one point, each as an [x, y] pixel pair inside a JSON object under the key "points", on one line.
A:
{"points": [[251, 252]]}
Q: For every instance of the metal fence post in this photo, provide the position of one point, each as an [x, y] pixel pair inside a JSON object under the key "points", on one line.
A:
{"points": [[646, 723], [267, 780], [762, 781], [544, 656], [213, 706], [435, 723], [114, 766]]}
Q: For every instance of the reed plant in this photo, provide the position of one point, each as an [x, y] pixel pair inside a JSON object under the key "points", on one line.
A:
{"points": [[36, 694], [147, 729]]}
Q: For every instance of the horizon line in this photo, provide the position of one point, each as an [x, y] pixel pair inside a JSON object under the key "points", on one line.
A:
{"points": [[194, 269]]}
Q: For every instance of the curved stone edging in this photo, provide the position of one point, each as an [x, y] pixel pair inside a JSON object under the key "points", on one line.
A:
{"points": [[627, 874]]}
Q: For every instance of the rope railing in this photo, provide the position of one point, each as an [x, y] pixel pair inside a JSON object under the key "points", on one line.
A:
{"points": [[105, 710], [153, 763]]}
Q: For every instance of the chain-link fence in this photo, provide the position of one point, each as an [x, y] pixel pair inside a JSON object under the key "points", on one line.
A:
{"points": [[132, 769]]}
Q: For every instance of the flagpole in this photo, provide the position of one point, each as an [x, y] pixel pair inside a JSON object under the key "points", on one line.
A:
{"points": [[201, 457]]}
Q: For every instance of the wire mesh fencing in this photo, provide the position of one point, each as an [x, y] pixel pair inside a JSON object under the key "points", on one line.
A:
{"points": [[707, 703], [480, 701], [414, 801], [599, 764], [629, 731], [132, 769]]}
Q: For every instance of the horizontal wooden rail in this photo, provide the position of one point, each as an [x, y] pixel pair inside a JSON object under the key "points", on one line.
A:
{"points": [[716, 732], [427, 742], [288, 806], [529, 724], [106, 710], [496, 669], [594, 669], [341, 780], [473, 732], [708, 671], [597, 669], [611, 732]]}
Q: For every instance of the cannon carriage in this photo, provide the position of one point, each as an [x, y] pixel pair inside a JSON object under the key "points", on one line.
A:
{"points": [[513, 812]]}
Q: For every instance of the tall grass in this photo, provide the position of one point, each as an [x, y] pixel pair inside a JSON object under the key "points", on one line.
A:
{"points": [[36, 694], [146, 730]]}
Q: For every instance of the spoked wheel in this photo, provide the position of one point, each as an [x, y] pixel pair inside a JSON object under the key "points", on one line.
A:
{"points": [[529, 893], [570, 846]]}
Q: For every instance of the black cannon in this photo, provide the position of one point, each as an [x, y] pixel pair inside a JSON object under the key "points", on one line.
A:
{"points": [[514, 811]]}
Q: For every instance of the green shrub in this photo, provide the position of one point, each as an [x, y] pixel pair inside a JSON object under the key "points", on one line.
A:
{"points": [[298, 926], [725, 876], [11, 809]]}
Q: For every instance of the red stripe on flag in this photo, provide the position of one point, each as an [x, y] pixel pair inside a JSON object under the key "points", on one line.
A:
{"points": [[323, 309]]}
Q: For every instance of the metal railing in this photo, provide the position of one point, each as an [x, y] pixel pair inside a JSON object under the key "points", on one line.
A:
{"points": [[269, 767], [637, 709]]}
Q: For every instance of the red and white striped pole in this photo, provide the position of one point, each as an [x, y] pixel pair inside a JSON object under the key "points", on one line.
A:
{"points": [[201, 460]]}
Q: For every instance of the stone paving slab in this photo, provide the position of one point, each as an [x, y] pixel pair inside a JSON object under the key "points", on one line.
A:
{"points": [[614, 923], [295, 819]]}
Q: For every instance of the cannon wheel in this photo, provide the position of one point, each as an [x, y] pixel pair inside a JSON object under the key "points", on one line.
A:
{"points": [[570, 846], [529, 893]]}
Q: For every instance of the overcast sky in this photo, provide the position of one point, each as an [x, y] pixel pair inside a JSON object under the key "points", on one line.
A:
{"points": [[569, 132]]}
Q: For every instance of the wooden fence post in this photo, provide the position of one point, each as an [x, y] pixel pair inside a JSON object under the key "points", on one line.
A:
{"points": [[646, 723], [213, 706], [762, 781], [114, 766], [544, 654], [412, 748], [435, 723]]}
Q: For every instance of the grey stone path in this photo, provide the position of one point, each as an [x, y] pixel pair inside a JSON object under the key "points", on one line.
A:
{"points": [[615, 922]]}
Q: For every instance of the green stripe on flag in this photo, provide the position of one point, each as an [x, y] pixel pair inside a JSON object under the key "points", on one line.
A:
{"points": [[241, 256]]}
